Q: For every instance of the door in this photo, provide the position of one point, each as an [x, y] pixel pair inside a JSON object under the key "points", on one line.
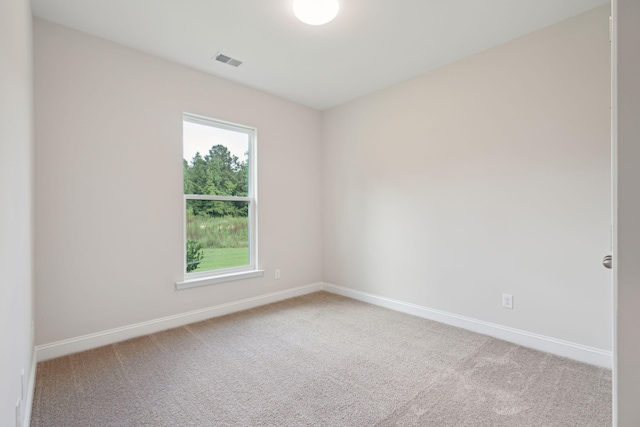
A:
{"points": [[626, 210]]}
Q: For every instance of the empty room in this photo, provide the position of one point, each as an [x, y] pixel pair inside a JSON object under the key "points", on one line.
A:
{"points": [[319, 213]]}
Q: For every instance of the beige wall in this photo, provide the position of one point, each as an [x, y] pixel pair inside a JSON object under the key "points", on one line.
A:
{"points": [[109, 185], [488, 176], [16, 261]]}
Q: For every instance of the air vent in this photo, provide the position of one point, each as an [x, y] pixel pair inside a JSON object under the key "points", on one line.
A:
{"points": [[227, 60]]}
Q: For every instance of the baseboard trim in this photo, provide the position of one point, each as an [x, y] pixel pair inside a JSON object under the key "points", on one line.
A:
{"points": [[87, 342], [31, 387], [582, 353], [579, 352]]}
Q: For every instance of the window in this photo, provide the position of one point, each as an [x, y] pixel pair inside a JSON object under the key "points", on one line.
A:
{"points": [[219, 201]]}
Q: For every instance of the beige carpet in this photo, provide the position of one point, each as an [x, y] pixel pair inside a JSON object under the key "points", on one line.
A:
{"points": [[319, 360]]}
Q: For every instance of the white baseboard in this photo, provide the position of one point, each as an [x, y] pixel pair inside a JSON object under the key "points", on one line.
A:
{"points": [[87, 342], [31, 388], [582, 353]]}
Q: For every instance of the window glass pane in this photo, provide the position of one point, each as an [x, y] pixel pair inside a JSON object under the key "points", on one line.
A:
{"points": [[217, 235], [215, 160]]}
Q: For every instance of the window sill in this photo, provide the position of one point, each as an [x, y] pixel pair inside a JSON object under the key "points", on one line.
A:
{"points": [[211, 280]]}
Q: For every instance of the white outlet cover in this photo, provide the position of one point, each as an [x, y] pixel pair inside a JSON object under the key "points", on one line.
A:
{"points": [[507, 301]]}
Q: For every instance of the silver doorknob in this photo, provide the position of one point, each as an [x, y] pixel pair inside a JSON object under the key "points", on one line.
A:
{"points": [[607, 261]]}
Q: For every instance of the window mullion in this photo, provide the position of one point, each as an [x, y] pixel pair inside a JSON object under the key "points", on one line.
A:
{"points": [[218, 198]]}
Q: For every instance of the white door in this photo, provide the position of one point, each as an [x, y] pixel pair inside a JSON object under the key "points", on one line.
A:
{"points": [[626, 210]]}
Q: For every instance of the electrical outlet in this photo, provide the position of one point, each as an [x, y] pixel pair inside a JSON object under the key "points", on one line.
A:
{"points": [[507, 301], [277, 275]]}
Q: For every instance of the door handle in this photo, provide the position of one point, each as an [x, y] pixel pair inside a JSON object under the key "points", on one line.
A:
{"points": [[608, 261]]}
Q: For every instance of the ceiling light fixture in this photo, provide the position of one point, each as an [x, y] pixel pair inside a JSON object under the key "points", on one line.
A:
{"points": [[315, 12]]}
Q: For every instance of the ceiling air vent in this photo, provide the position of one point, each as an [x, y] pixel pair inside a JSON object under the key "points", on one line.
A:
{"points": [[227, 60]]}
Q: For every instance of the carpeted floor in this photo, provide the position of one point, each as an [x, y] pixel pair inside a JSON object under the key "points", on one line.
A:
{"points": [[319, 360]]}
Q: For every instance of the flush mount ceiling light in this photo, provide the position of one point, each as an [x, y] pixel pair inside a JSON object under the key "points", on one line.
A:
{"points": [[315, 12]]}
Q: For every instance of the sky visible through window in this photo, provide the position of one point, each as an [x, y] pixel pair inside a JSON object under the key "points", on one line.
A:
{"points": [[200, 138]]}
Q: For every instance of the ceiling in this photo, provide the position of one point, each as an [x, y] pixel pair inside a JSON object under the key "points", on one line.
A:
{"points": [[370, 45]]}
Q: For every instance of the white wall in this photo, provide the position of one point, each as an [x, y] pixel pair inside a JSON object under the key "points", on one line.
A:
{"points": [[108, 184], [488, 176], [16, 168], [627, 207]]}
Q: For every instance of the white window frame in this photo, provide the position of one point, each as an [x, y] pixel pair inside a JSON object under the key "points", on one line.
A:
{"points": [[234, 273]]}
